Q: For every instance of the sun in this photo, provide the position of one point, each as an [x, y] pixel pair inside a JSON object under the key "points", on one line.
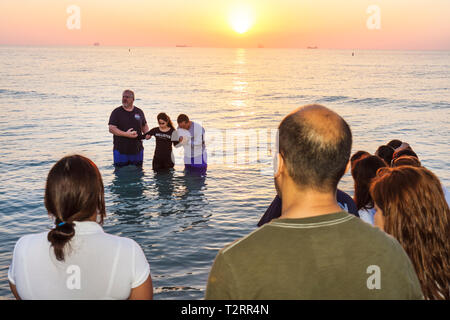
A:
{"points": [[241, 18]]}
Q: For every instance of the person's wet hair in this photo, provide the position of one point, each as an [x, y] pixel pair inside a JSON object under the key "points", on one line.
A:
{"points": [[74, 192], [416, 213], [394, 143], [315, 144], [385, 153], [406, 161], [182, 118], [363, 172], [164, 117]]}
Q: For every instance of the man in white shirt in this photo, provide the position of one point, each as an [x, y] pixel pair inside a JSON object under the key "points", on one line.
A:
{"points": [[195, 156]]}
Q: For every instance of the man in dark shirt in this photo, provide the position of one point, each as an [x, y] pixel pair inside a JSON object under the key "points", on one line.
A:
{"points": [[127, 123]]}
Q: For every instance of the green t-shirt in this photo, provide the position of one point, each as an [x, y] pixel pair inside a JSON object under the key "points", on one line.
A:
{"points": [[333, 256]]}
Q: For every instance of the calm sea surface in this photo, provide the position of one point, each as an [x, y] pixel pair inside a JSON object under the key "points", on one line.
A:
{"points": [[57, 101]]}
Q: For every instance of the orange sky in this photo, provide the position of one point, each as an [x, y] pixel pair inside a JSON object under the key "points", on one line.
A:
{"points": [[405, 24]]}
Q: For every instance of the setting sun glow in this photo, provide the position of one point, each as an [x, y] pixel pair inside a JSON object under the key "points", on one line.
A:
{"points": [[327, 24], [241, 18]]}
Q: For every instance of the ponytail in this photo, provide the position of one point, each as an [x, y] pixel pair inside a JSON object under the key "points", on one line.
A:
{"points": [[60, 236]]}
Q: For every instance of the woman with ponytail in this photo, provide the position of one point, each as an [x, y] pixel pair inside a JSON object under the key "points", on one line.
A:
{"points": [[165, 135], [77, 259]]}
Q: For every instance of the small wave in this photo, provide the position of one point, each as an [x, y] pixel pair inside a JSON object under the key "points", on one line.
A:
{"points": [[39, 95], [414, 105], [17, 165], [269, 95], [15, 93], [290, 97], [165, 74], [440, 105], [370, 101], [425, 105], [332, 98], [18, 130], [200, 90]]}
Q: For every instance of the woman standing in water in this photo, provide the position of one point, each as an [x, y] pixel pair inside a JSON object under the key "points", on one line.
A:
{"points": [[165, 135]]}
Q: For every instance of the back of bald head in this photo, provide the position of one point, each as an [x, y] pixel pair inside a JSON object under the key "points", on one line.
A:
{"points": [[315, 143]]}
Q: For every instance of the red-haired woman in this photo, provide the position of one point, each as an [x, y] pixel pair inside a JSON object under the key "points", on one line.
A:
{"points": [[410, 206]]}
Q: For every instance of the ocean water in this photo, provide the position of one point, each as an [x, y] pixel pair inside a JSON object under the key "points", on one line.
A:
{"points": [[56, 101]]}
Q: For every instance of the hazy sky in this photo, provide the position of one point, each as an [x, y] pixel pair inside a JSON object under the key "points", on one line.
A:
{"points": [[403, 24]]}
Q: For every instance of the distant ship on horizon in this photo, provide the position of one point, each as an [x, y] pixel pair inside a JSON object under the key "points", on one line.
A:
{"points": [[182, 46], [312, 47], [96, 44]]}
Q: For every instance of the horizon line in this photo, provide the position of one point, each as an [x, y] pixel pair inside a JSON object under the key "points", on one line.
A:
{"points": [[183, 46]]}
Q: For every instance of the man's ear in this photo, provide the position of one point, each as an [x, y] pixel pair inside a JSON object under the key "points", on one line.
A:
{"points": [[279, 165]]}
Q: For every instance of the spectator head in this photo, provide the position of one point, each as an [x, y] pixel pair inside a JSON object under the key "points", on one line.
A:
{"points": [[74, 192], [406, 161], [363, 172], [411, 207], [404, 145], [394, 144], [314, 149], [385, 153], [183, 121], [404, 152], [357, 156]]}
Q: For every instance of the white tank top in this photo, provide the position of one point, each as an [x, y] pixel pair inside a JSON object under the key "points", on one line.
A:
{"points": [[97, 266]]}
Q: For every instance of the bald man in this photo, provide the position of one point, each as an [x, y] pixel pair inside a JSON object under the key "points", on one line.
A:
{"points": [[127, 123], [315, 250]]}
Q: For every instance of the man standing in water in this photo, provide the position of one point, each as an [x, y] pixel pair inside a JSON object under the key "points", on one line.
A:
{"points": [[127, 123], [195, 156]]}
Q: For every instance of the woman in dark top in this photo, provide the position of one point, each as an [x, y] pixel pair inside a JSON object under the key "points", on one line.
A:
{"points": [[165, 135]]}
